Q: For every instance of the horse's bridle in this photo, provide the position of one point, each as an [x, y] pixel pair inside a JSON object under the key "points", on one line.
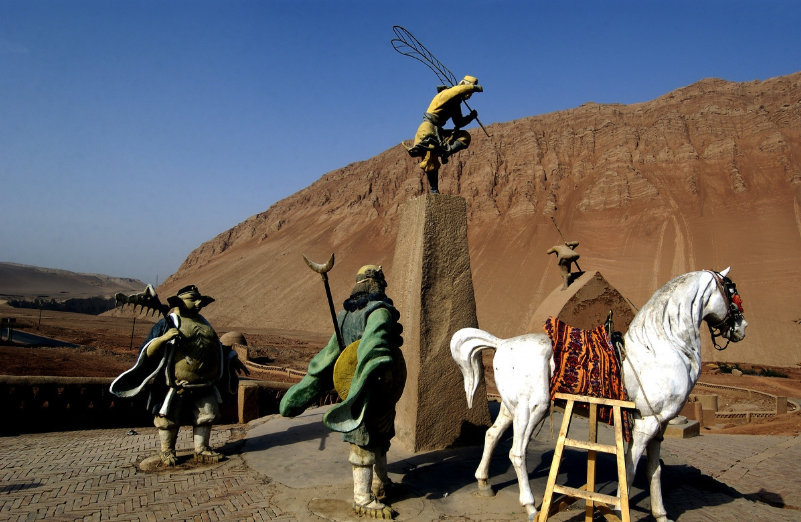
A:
{"points": [[734, 310]]}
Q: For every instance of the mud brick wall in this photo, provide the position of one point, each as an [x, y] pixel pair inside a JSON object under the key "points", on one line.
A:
{"points": [[36, 404]]}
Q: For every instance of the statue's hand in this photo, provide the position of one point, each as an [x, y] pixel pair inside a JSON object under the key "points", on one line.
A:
{"points": [[172, 333], [156, 344]]}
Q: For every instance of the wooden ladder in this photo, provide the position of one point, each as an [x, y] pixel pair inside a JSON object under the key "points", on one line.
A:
{"points": [[591, 445]]}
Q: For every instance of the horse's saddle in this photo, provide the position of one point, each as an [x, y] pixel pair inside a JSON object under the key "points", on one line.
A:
{"points": [[586, 363]]}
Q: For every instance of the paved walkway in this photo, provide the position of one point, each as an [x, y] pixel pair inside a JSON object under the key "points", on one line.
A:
{"points": [[293, 469]]}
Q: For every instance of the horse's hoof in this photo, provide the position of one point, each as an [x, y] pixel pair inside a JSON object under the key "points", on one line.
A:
{"points": [[485, 489], [532, 513], [663, 518]]}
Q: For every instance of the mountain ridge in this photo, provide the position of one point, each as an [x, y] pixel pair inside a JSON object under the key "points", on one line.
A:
{"points": [[28, 281], [27, 286], [702, 177]]}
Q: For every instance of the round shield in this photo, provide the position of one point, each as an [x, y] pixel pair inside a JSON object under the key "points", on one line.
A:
{"points": [[344, 369]]}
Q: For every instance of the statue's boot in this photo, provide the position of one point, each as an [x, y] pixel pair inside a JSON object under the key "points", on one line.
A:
{"points": [[167, 438], [203, 452], [452, 149], [382, 485], [364, 503], [426, 145], [433, 181]]}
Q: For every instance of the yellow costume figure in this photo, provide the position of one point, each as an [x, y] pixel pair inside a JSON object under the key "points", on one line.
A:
{"points": [[435, 144]]}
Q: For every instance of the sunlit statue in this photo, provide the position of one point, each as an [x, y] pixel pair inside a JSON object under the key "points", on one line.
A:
{"points": [[565, 257], [435, 144], [369, 375], [183, 366]]}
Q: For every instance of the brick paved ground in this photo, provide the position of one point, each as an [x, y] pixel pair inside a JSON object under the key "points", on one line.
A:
{"points": [[440, 485], [763, 468], [92, 475]]}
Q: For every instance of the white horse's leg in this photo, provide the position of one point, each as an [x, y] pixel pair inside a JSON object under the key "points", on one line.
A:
{"points": [[491, 439], [644, 429], [655, 479], [524, 423]]}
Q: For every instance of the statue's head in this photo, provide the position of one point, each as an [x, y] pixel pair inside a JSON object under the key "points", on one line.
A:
{"points": [[370, 280], [468, 80], [189, 299]]}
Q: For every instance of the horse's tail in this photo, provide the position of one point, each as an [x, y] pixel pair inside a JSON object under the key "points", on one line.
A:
{"points": [[466, 347]]}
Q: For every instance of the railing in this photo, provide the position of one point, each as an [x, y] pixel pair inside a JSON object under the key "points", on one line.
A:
{"points": [[44, 403], [63, 403], [48, 403]]}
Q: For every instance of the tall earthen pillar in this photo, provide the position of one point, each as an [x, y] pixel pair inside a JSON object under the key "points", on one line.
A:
{"points": [[432, 287]]}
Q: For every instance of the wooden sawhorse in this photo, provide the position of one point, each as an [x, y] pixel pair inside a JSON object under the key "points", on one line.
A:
{"points": [[591, 445]]}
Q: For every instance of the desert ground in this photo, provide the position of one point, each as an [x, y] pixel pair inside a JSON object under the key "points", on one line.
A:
{"points": [[108, 346]]}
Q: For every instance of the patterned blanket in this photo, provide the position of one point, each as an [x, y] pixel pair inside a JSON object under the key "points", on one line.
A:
{"points": [[585, 364]]}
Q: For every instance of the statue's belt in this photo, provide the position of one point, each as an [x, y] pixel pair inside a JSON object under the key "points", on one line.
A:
{"points": [[188, 387]]}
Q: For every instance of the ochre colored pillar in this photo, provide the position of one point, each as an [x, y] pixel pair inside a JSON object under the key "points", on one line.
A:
{"points": [[432, 287]]}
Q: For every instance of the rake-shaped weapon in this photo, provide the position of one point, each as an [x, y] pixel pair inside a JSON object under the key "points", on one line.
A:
{"points": [[148, 300], [406, 44], [145, 300]]}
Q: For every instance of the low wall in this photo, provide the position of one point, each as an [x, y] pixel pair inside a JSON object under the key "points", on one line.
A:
{"points": [[31, 404], [42, 403], [710, 415], [39, 404], [260, 398]]}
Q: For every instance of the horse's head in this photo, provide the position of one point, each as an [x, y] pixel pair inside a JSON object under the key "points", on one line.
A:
{"points": [[726, 317]]}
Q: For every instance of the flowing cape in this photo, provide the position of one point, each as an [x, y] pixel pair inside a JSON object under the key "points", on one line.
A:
{"points": [[374, 355], [131, 382], [141, 375], [378, 360]]}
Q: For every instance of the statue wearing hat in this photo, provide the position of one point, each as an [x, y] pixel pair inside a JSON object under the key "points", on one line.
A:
{"points": [[183, 365], [434, 143], [369, 376]]}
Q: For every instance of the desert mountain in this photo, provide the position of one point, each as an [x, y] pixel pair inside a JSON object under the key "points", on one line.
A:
{"points": [[54, 289], [703, 177]]}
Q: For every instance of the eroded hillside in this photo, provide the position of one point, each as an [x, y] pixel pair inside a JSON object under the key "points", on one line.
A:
{"points": [[704, 177]]}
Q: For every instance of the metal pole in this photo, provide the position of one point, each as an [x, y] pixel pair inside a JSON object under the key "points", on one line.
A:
{"points": [[323, 271], [133, 326]]}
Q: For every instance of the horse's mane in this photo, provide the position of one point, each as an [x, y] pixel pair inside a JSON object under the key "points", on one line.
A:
{"points": [[672, 316]]}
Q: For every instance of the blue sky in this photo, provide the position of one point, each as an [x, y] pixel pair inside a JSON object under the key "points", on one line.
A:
{"points": [[132, 131]]}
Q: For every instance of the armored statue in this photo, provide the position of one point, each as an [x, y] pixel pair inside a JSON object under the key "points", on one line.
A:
{"points": [[183, 366], [364, 363]]}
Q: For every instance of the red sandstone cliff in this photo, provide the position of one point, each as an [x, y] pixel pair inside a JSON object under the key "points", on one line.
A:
{"points": [[704, 177]]}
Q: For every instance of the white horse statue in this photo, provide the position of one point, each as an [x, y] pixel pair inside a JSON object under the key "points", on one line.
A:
{"points": [[661, 366]]}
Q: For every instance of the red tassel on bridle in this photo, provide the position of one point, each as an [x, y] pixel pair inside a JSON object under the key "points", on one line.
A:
{"points": [[736, 299]]}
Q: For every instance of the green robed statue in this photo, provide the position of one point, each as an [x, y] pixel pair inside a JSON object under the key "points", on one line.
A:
{"points": [[369, 376]]}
